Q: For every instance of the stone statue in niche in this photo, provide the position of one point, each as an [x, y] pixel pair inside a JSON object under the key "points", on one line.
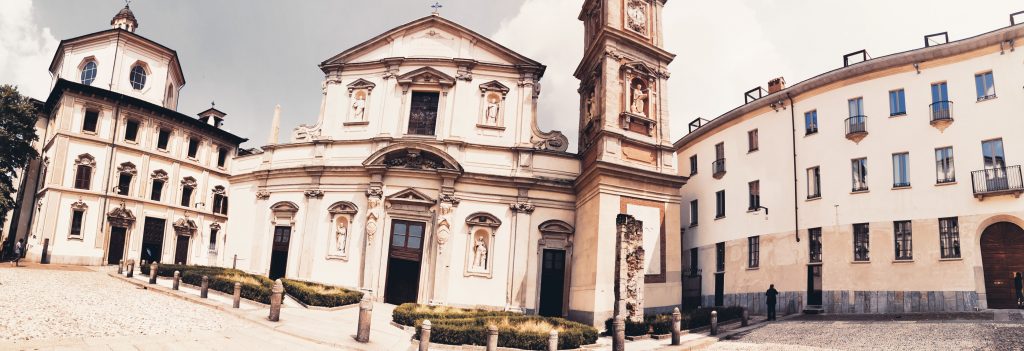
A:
{"points": [[492, 110], [480, 253], [591, 106], [359, 106], [636, 16], [341, 236], [639, 103]]}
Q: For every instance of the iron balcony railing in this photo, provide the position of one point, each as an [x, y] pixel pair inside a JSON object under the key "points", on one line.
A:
{"points": [[998, 179], [718, 167], [859, 186], [941, 111], [856, 124]]}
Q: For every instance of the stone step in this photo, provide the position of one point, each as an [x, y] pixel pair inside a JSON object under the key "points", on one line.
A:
{"points": [[814, 309]]}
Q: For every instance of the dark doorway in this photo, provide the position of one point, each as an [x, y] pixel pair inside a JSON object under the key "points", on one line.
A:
{"points": [[152, 239], [181, 249], [404, 255], [1002, 254], [814, 285], [552, 283], [115, 250], [719, 289], [279, 252]]}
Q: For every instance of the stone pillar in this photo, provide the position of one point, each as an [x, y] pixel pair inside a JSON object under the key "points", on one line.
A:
{"points": [[365, 314], [131, 268], [619, 334], [677, 325], [120, 267], [442, 236], [307, 236], [746, 318], [553, 340], [521, 228], [152, 272], [714, 322], [492, 337], [177, 280], [275, 301], [204, 288], [629, 275], [374, 223], [237, 296], [425, 335]]}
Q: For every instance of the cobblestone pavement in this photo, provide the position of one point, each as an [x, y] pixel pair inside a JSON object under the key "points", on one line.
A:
{"points": [[976, 331]]}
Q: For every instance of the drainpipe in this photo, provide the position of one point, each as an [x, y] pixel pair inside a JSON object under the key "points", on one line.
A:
{"points": [[796, 200]]}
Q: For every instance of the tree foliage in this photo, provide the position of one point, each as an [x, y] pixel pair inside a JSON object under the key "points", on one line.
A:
{"points": [[17, 132]]}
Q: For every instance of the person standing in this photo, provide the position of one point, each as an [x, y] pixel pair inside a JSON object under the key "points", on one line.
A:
{"points": [[18, 247], [770, 300], [1018, 285]]}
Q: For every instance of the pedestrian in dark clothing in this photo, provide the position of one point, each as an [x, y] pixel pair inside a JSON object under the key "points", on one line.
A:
{"points": [[1018, 285], [770, 300], [18, 247]]}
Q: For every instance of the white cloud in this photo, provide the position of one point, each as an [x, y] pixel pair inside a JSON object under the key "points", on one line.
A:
{"points": [[25, 49]]}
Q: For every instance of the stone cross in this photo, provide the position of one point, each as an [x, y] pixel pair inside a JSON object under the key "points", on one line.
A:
{"points": [[425, 335], [237, 296], [275, 301], [204, 289], [437, 7], [365, 314]]}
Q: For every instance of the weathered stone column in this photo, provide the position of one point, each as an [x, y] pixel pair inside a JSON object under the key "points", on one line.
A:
{"points": [[131, 268], [442, 235], [619, 334], [374, 221], [275, 301], [425, 335], [522, 226], [309, 227], [714, 322], [152, 272], [492, 337], [553, 340], [177, 280], [677, 325], [204, 288], [746, 318], [365, 314], [237, 296], [120, 267]]}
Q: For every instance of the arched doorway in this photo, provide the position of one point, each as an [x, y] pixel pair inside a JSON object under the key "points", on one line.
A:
{"points": [[1002, 254]]}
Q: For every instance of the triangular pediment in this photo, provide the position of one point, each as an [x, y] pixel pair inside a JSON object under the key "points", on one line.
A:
{"points": [[411, 196], [361, 84], [426, 75], [640, 68], [494, 86]]}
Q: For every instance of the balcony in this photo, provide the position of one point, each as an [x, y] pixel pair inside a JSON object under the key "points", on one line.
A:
{"points": [[856, 128], [718, 168], [941, 114], [997, 181]]}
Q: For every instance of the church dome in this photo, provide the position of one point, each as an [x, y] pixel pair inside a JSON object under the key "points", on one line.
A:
{"points": [[125, 19]]}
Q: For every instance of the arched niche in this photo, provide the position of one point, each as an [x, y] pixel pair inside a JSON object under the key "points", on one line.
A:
{"points": [[482, 228], [341, 215]]}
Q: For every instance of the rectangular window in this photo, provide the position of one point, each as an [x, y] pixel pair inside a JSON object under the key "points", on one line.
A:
{"points": [[193, 147], [856, 107], [91, 121], [752, 140], [694, 262], [220, 204], [158, 190], [693, 164], [859, 170], [904, 244], [814, 235], [718, 167], [944, 165], [423, 113], [949, 237], [163, 139], [83, 177], [811, 122], [720, 204], [124, 183], [813, 182], [900, 168], [897, 103], [720, 257], [985, 86], [861, 242], [222, 156], [76, 222], [186, 196], [754, 188], [992, 153], [131, 130], [213, 240], [693, 213], [719, 151], [754, 249]]}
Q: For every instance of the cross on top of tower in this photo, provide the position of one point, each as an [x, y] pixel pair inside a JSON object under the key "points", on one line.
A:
{"points": [[436, 6]]}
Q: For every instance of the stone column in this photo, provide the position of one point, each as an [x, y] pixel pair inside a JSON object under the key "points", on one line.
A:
{"points": [[152, 272], [365, 316], [520, 241], [492, 337], [237, 296], [425, 336], [374, 221], [553, 340], [204, 289], [677, 326], [442, 236], [618, 334], [177, 280], [310, 231], [629, 275], [275, 301]]}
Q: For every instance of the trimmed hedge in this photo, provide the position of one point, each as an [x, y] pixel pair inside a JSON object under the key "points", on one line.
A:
{"points": [[522, 332], [660, 324], [410, 314], [315, 294], [632, 328], [702, 316], [691, 319]]}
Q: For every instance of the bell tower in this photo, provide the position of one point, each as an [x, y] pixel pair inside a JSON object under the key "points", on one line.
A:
{"points": [[627, 159]]}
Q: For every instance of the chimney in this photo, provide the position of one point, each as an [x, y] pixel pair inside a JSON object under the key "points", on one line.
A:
{"points": [[776, 85]]}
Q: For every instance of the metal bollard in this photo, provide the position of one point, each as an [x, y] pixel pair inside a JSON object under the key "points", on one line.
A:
{"points": [[553, 340], [492, 337], [275, 301], [237, 296], [425, 336], [677, 325], [619, 334], [131, 268], [746, 318], [365, 314], [152, 272], [120, 267], [177, 280], [204, 288], [714, 322]]}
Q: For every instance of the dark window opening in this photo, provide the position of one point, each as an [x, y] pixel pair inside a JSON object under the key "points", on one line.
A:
{"points": [[193, 147], [213, 240], [220, 204], [131, 130], [754, 246], [163, 139], [720, 257], [83, 177], [423, 113], [158, 189], [91, 120], [124, 183], [693, 213], [815, 244], [755, 195], [949, 237], [720, 204], [222, 156], [861, 242], [76, 222], [904, 242], [186, 195]]}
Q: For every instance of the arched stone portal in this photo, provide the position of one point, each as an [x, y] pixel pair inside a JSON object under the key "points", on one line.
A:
{"points": [[1002, 254]]}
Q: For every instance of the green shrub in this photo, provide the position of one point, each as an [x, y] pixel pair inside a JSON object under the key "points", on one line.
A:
{"points": [[660, 324], [411, 314], [254, 287], [523, 332], [314, 294], [702, 316], [632, 328]]}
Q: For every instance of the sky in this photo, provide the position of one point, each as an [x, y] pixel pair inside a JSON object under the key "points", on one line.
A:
{"points": [[251, 55]]}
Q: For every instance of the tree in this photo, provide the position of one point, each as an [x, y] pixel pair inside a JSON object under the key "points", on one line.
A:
{"points": [[17, 132]]}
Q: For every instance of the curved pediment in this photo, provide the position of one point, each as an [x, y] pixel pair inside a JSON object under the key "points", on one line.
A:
{"points": [[483, 219], [343, 207], [284, 206], [413, 156], [555, 226]]}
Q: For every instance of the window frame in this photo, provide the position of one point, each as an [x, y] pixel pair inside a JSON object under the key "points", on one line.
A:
{"points": [[192, 148], [897, 102], [137, 76], [903, 243], [816, 183], [222, 157], [984, 82], [720, 257], [89, 66], [861, 235], [752, 140], [127, 123], [156, 193], [213, 239], [694, 212], [901, 167], [91, 116], [943, 176], [720, 204], [859, 174], [160, 139], [949, 238], [693, 165], [83, 182], [410, 129], [814, 245], [754, 195], [75, 230], [754, 251], [810, 128]]}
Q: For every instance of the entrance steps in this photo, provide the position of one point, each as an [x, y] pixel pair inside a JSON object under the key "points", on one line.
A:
{"points": [[814, 309]]}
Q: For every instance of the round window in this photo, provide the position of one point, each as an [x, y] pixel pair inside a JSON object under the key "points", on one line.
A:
{"points": [[138, 77], [89, 73]]}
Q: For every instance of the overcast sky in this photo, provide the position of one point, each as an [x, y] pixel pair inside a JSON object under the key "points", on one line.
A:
{"points": [[250, 55]]}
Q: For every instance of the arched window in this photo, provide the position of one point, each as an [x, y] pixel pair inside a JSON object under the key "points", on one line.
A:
{"points": [[83, 171], [138, 77], [89, 73]]}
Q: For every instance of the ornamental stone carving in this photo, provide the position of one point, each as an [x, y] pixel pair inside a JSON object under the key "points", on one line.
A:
{"points": [[185, 226], [121, 217], [128, 168], [636, 16], [522, 207], [314, 194], [78, 205], [629, 272], [262, 194], [449, 198]]}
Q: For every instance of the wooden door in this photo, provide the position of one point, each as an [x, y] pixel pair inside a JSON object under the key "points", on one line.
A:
{"points": [[719, 289], [814, 285], [552, 283], [152, 239], [115, 250], [404, 255], [279, 251], [181, 249], [1002, 254]]}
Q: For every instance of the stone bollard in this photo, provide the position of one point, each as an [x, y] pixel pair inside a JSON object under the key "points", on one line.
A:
{"points": [[425, 335], [553, 340], [152, 272], [492, 337], [714, 322], [204, 288], [275, 301], [237, 296], [365, 313], [177, 280], [131, 268], [120, 267], [142, 264], [677, 325], [746, 318], [619, 334]]}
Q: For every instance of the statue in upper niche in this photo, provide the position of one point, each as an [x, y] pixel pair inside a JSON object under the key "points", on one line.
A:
{"points": [[639, 99], [359, 107], [636, 16], [492, 110], [480, 254]]}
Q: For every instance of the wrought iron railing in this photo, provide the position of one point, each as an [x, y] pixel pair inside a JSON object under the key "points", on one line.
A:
{"points": [[718, 167], [997, 179], [941, 111], [856, 124]]}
